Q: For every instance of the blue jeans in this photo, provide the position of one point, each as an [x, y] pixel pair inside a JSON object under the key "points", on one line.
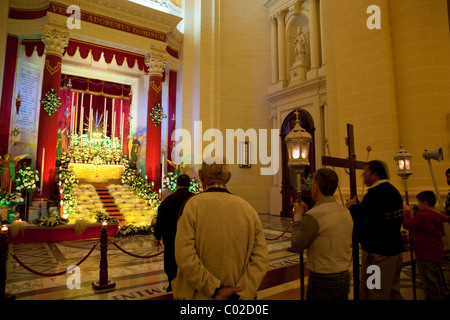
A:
{"points": [[328, 286], [430, 274]]}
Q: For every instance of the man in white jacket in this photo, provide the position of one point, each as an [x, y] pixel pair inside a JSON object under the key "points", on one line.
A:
{"points": [[220, 246], [326, 232]]}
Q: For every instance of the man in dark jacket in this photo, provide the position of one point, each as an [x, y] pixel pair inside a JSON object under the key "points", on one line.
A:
{"points": [[378, 220], [166, 224]]}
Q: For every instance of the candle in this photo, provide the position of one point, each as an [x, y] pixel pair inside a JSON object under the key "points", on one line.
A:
{"points": [[42, 169], [81, 115], [162, 171], [4, 228], [104, 224], [159, 194]]}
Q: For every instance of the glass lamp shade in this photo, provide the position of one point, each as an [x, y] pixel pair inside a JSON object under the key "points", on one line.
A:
{"points": [[297, 143], [403, 163]]}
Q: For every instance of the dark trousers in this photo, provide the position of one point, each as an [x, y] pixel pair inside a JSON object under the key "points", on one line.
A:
{"points": [[170, 265], [328, 286]]}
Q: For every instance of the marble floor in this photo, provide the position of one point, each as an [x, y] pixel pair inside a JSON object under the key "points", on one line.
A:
{"points": [[136, 278]]}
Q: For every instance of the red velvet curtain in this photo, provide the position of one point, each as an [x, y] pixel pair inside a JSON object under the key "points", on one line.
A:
{"points": [[9, 70]]}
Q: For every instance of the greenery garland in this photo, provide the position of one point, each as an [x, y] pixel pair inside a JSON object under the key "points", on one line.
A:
{"points": [[157, 114], [51, 102]]}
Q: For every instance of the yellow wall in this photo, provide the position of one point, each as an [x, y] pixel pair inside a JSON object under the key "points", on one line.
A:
{"points": [[391, 83], [225, 75]]}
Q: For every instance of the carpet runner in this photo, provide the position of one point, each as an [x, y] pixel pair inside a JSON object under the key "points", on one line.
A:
{"points": [[109, 205]]}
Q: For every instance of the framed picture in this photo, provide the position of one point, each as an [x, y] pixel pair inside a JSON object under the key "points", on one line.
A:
{"points": [[244, 155]]}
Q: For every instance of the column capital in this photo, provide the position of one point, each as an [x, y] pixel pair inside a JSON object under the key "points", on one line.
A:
{"points": [[156, 61], [56, 39], [280, 15]]}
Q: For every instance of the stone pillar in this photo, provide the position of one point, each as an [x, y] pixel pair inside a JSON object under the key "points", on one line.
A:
{"points": [[56, 40], [274, 51], [282, 70], [156, 61], [421, 54], [314, 38]]}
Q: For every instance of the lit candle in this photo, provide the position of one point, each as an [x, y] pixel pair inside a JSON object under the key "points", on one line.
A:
{"points": [[104, 224], [4, 228], [159, 194]]}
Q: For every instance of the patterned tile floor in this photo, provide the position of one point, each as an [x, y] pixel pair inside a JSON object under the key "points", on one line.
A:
{"points": [[135, 278]]}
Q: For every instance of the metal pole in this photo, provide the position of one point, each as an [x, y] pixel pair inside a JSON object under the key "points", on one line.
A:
{"points": [[302, 268], [411, 251]]}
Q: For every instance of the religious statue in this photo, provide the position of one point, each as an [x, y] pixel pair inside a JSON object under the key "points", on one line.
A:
{"points": [[300, 47], [135, 148], [61, 139], [7, 171]]}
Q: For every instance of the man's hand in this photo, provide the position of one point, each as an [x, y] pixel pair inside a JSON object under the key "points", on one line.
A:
{"points": [[299, 210], [351, 202], [225, 292]]}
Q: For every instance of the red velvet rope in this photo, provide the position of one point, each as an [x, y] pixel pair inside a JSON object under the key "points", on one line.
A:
{"points": [[284, 232], [135, 255], [51, 274]]}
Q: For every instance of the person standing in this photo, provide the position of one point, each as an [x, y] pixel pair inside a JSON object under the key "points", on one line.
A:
{"points": [[220, 246], [166, 224], [326, 232], [427, 230], [378, 220]]}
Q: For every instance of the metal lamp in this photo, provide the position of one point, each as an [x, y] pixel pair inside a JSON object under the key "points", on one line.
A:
{"points": [[403, 163], [297, 143]]}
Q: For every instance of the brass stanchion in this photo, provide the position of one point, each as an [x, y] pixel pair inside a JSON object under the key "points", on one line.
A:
{"points": [[103, 284], [3, 256]]}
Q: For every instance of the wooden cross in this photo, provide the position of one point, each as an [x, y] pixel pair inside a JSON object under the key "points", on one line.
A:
{"points": [[352, 164]]}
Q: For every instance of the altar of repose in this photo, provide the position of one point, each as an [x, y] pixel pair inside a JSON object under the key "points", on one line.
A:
{"points": [[92, 173]]}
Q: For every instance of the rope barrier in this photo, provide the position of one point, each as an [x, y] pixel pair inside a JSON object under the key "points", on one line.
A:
{"points": [[51, 274], [284, 232], [135, 255]]}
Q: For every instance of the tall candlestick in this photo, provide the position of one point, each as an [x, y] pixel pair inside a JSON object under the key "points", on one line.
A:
{"points": [[81, 117], [42, 170], [162, 171]]}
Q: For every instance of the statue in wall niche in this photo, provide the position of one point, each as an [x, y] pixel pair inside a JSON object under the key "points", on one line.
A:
{"points": [[300, 47]]}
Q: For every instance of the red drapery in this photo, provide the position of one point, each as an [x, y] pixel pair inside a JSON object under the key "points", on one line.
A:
{"points": [[12, 43]]}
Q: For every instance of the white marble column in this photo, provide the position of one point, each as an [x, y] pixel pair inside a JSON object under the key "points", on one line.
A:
{"points": [[274, 49], [282, 69], [314, 38]]}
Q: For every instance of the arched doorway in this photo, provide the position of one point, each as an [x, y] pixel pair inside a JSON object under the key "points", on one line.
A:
{"points": [[289, 180]]}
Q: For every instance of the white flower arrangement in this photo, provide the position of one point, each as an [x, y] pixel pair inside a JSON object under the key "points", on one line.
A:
{"points": [[157, 114], [26, 179], [51, 102]]}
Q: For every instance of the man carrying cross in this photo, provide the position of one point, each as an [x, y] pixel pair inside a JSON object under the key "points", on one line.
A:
{"points": [[378, 220]]}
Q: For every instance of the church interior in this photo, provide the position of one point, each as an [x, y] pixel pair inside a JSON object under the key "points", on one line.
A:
{"points": [[103, 103]]}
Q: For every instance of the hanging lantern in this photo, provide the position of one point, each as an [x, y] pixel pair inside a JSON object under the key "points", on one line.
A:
{"points": [[403, 163], [297, 143]]}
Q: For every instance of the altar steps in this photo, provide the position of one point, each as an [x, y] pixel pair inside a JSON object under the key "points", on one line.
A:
{"points": [[109, 205]]}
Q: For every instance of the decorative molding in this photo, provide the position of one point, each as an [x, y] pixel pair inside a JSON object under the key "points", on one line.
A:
{"points": [[155, 61], [55, 39]]}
